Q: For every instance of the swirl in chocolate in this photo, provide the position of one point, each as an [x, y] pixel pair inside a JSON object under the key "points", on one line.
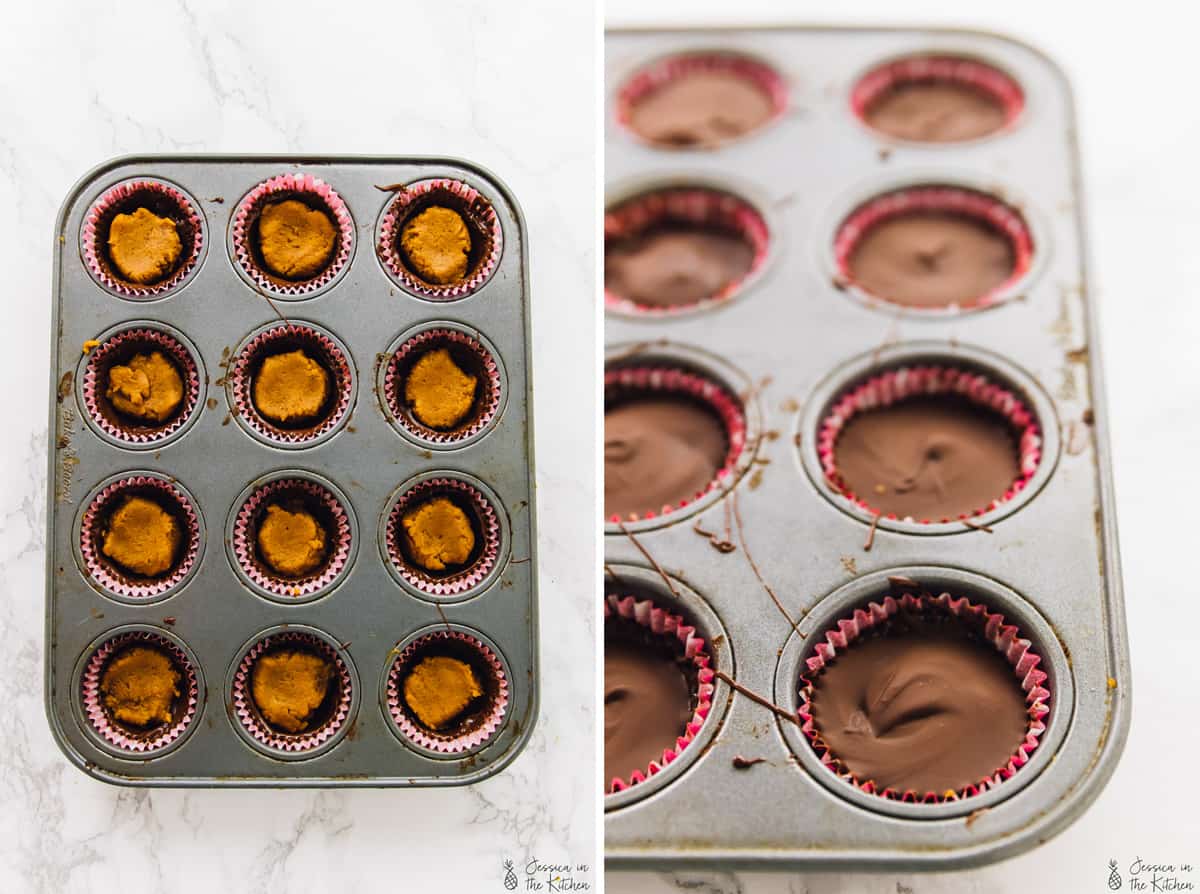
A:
{"points": [[676, 264]]}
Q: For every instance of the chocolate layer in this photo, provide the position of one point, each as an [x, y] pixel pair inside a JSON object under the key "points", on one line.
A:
{"points": [[925, 707], [931, 259], [928, 457], [659, 451], [936, 112], [647, 700], [675, 264], [701, 108]]}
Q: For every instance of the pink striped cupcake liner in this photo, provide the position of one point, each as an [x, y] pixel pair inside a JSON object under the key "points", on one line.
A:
{"points": [[701, 207], [626, 382], [312, 191], [989, 625], [132, 742], [679, 636], [479, 362], [655, 76], [165, 200], [332, 717], [119, 348], [110, 577], [330, 513], [279, 338], [475, 730], [988, 210], [896, 385], [487, 236], [486, 524], [938, 69]]}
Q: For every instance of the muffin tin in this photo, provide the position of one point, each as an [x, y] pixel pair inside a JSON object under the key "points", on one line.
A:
{"points": [[216, 463], [749, 790]]}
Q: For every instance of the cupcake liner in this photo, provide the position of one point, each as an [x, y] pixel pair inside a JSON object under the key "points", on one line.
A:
{"points": [[247, 712], [693, 205], [300, 335], [118, 348], [892, 386], [481, 219], [1004, 637], [107, 574], [654, 76], [484, 727], [311, 190], [245, 531], [487, 404], [488, 531], [992, 212], [668, 625], [944, 69], [127, 196], [668, 381], [112, 731]]}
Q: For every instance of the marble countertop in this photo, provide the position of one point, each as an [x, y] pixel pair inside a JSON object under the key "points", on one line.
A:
{"points": [[80, 83], [1139, 132]]}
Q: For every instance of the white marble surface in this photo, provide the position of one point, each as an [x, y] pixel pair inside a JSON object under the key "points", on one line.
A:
{"points": [[510, 89], [1134, 75]]}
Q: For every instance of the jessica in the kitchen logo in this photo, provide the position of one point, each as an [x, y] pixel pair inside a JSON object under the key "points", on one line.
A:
{"points": [[1146, 875]]}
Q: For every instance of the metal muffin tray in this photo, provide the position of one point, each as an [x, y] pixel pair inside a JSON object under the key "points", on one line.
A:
{"points": [[367, 615], [787, 345]]}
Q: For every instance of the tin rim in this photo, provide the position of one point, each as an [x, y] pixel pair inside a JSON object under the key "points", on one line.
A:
{"points": [[182, 351], [242, 521], [646, 584], [433, 334], [971, 359], [843, 601], [85, 683]]}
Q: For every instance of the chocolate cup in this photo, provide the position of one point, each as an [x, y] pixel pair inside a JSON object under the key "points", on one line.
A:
{"points": [[163, 199], [488, 524], [471, 354], [321, 499], [332, 718], [280, 338], [487, 237], [124, 740], [702, 207], [116, 347], [117, 582], [960, 71], [958, 201], [244, 239], [654, 76], [479, 724], [989, 626]]}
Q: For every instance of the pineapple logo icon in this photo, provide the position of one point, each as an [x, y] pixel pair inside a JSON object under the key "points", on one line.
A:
{"points": [[510, 877], [1114, 877]]}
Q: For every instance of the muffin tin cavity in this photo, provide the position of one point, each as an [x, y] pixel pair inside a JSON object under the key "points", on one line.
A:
{"points": [[139, 384], [937, 99], [221, 410], [292, 536], [105, 692], [439, 239], [677, 436], [977, 407], [677, 619], [991, 614], [683, 247], [700, 100], [445, 694], [143, 238], [935, 248], [444, 536], [266, 407], [441, 386]]}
